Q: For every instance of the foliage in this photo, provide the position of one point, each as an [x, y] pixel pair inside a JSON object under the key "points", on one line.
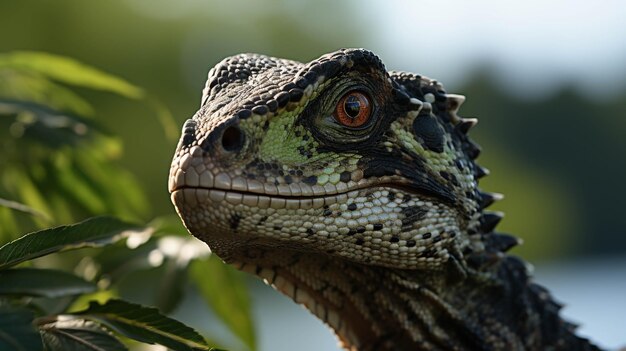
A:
{"points": [[59, 165], [56, 158]]}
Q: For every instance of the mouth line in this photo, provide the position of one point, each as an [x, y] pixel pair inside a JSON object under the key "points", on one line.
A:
{"points": [[382, 186]]}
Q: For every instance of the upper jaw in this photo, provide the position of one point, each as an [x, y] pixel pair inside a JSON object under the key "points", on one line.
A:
{"points": [[191, 170]]}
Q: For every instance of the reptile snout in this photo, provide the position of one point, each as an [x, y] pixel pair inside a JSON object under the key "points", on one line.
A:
{"points": [[206, 154]]}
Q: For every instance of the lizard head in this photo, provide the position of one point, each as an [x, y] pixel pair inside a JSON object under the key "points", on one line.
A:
{"points": [[336, 157], [349, 187]]}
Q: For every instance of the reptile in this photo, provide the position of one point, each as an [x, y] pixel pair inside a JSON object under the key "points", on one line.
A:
{"points": [[354, 191]]}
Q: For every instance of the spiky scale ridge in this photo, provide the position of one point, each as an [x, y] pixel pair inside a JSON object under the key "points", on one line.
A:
{"points": [[487, 199], [489, 221], [499, 242], [380, 230]]}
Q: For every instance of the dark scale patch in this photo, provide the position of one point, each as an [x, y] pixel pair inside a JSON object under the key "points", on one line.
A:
{"points": [[304, 152], [188, 139], [327, 212], [351, 232], [360, 230], [295, 94], [360, 241], [460, 165], [260, 110], [426, 128], [345, 176], [378, 226], [272, 105], [426, 235], [244, 114], [449, 177], [428, 253], [437, 238], [410, 243], [288, 179], [391, 196], [310, 231], [406, 198], [288, 86], [311, 180], [394, 239], [412, 214], [277, 227], [234, 221], [282, 99], [352, 207]]}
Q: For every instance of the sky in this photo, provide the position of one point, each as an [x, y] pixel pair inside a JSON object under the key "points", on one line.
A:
{"points": [[534, 45]]}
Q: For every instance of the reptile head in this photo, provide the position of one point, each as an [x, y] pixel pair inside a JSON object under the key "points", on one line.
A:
{"points": [[348, 188], [335, 157]]}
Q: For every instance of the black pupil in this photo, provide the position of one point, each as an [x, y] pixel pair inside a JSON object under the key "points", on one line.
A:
{"points": [[352, 106]]}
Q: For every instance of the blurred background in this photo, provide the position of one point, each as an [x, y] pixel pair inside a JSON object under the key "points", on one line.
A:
{"points": [[547, 81]]}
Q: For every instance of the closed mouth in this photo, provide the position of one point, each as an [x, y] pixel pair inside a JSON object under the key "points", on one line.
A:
{"points": [[263, 201], [276, 201]]}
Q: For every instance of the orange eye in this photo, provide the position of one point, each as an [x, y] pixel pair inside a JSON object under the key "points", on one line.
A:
{"points": [[353, 109]]}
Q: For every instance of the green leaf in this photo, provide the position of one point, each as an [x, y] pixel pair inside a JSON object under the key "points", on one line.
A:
{"points": [[78, 335], [171, 287], [22, 208], [29, 87], [93, 232], [144, 324], [169, 224], [163, 114], [69, 71], [42, 282], [224, 289], [17, 332]]}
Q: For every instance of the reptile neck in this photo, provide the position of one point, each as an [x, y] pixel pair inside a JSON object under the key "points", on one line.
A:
{"points": [[459, 307]]}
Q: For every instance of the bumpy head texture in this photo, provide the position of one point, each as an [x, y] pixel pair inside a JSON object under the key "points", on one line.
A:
{"points": [[265, 159], [348, 188]]}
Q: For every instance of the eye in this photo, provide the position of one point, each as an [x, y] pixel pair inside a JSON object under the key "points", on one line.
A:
{"points": [[353, 109]]}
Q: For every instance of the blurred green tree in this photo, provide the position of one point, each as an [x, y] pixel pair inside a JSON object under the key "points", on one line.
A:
{"points": [[59, 165]]}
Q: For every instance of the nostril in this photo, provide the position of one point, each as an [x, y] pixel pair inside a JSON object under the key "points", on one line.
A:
{"points": [[232, 139]]}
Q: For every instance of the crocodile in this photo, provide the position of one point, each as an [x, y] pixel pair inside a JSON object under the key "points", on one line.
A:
{"points": [[354, 191]]}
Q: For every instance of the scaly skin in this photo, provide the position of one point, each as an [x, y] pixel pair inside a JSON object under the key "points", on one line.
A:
{"points": [[380, 230]]}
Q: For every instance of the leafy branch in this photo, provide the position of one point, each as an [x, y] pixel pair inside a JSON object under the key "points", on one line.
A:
{"points": [[58, 165]]}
